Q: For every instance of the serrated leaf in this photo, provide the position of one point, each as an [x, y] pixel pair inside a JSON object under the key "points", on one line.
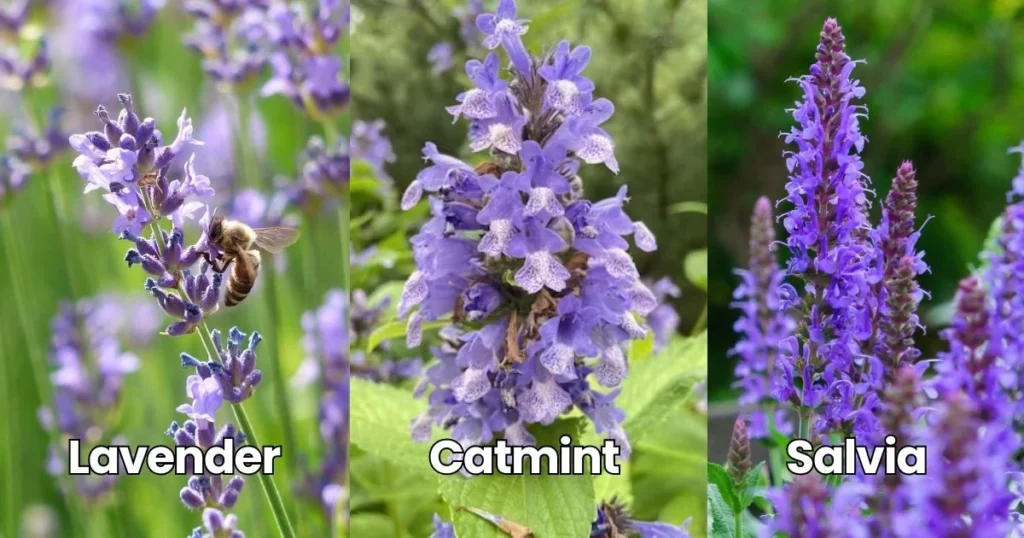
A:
{"points": [[380, 416], [695, 267], [657, 387], [718, 476], [750, 488], [551, 506], [396, 329], [723, 520]]}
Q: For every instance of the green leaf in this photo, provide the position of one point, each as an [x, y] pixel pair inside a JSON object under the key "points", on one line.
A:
{"points": [[379, 417], [551, 506], [641, 349], [718, 476], [657, 387], [751, 488], [695, 267], [396, 329], [371, 524], [688, 207], [723, 520]]}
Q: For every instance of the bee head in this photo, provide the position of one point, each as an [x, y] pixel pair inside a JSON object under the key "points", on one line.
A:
{"points": [[216, 229]]}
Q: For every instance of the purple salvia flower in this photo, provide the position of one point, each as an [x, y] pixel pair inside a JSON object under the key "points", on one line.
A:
{"points": [[305, 67], [826, 226], [515, 227], [807, 508], [763, 325], [88, 376], [964, 493], [900, 293]]}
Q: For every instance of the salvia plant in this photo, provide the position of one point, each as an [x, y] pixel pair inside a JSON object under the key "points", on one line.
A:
{"points": [[827, 346], [130, 164]]}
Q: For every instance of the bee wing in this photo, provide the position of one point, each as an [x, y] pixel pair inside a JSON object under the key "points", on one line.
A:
{"points": [[275, 238]]}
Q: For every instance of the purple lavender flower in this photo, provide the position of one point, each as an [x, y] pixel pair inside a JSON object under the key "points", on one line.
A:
{"points": [[305, 68], [543, 274], [323, 178], [441, 57], [231, 37], [39, 149], [234, 370], [763, 325], [89, 371], [827, 225], [24, 63], [129, 163], [216, 525], [326, 342], [14, 174]]}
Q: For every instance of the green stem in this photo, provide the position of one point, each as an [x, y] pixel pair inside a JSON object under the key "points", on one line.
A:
{"points": [[332, 137], [13, 478], [739, 524], [701, 322], [266, 481]]}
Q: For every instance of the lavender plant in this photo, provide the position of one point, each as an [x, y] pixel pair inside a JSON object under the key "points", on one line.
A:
{"points": [[847, 363], [129, 163], [534, 279], [88, 376]]}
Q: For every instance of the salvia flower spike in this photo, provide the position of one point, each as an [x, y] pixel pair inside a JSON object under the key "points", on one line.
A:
{"points": [[514, 247]]}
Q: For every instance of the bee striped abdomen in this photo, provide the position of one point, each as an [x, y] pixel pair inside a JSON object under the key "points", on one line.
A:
{"points": [[243, 277]]}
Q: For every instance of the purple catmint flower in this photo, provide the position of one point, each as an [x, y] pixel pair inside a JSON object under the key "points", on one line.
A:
{"points": [[614, 520], [663, 320], [763, 326], [326, 343], [305, 67], [441, 57], [827, 225], [88, 376], [541, 275], [129, 162], [467, 14], [231, 37], [442, 529], [370, 144]]}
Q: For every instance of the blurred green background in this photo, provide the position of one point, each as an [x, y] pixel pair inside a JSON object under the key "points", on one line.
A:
{"points": [[38, 272], [943, 83], [649, 59]]}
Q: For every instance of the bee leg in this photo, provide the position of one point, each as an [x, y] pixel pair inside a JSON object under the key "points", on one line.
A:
{"points": [[219, 265]]}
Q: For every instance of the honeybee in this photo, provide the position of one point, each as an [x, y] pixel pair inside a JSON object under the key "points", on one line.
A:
{"points": [[238, 243]]}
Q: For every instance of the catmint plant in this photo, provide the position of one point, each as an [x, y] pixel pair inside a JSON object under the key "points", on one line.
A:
{"points": [[534, 280], [89, 368]]}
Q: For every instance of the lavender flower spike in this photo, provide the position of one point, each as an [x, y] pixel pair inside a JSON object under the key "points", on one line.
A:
{"points": [[763, 325]]}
